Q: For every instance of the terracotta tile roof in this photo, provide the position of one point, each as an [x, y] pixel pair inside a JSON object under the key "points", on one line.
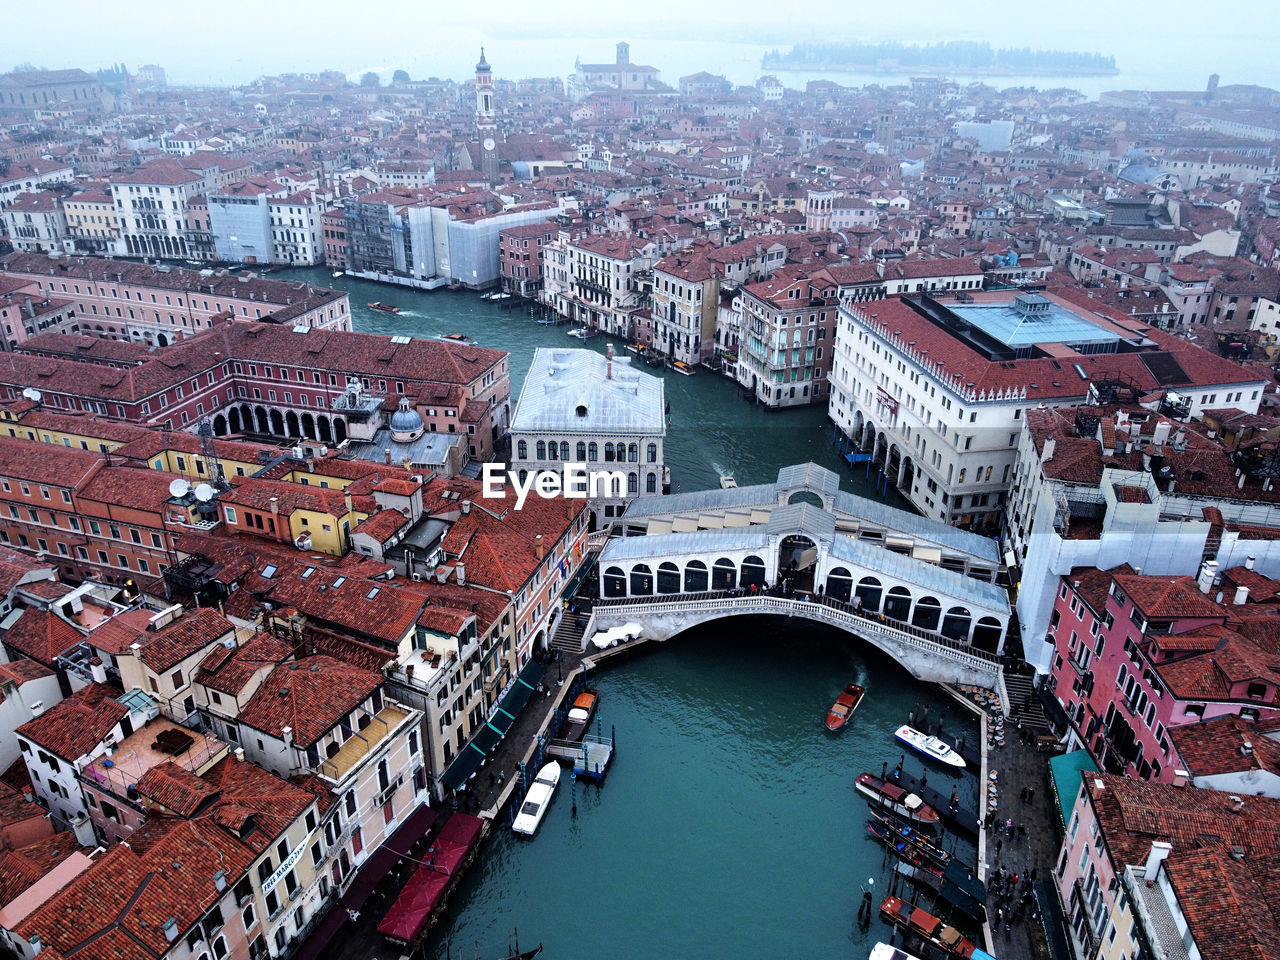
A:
{"points": [[310, 695], [14, 567], [75, 726], [119, 632], [190, 633], [176, 789], [1214, 747], [45, 463], [42, 635], [134, 487], [20, 869], [1166, 598], [20, 671], [365, 608], [229, 671]]}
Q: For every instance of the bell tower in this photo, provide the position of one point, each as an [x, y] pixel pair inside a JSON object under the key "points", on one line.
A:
{"points": [[486, 121]]}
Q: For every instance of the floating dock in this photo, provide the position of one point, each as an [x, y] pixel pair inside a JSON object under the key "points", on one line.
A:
{"points": [[590, 757], [961, 820]]}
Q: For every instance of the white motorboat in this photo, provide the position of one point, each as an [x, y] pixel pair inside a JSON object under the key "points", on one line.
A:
{"points": [[727, 482], [883, 951], [339, 273], [537, 800], [931, 747]]}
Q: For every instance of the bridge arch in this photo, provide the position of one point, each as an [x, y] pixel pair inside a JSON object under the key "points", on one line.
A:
{"points": [[840, 584], [753, 572], [957, 623], [868, 592], [695, 576], [668, 577], [927, 614], [724, 574], [897, 604], [641, 580], [615, 582]]}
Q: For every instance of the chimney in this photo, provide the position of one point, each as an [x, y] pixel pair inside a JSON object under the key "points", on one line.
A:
{"points": [[461, 571], [1180, 778], [387, 456], [1097, 788], [287, 733], [1160, 851], [539, 548], [1246, 748], [1208, 573], [98, 670], [1237, 804], [1242, 596], [608, 367], [346, 499], [170, 929], [1249, 562], [37, 708], [275, 506], [1049, 446], [239, 752], [465, 508]]}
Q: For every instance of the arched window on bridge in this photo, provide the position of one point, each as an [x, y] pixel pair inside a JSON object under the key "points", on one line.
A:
{"points": [[927, 614], [955, 625], [724, 575], [695, 576], [753, 571], [897, 603], [840, 584], [869, 593], [641, 580], [582, 451], [615, 582], [668, 577], [987, 633]]}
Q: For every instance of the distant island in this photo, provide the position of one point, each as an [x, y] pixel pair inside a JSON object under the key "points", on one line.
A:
{"points": [[959, 56]]}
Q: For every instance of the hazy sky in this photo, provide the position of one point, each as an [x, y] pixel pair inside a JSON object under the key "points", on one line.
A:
{"points": [[230, 41]]}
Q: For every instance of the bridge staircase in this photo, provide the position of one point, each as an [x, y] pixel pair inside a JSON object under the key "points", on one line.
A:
{"points": [[570, 632], [1024, 700]]}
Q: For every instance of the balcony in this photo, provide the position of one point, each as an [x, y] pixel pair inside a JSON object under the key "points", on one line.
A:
{"points": [[362, 743]]}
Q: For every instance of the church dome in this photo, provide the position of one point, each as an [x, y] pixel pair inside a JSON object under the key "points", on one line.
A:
{"points": [[406, 423]]}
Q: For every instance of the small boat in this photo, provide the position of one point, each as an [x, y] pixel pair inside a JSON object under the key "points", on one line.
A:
{"points": [[931, 747], [384, 307], [548, 321], [883, 951], [903, 832], [898, 841], [907, 915], [499, 296], [461, 338], [537, 800], [727, 482], [890, 796], [339, 273], [584, 333], [845, 704], [578, 718], [681, 367]]}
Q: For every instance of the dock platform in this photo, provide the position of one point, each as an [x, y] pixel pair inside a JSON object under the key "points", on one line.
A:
{"points": [[590, 757], [961, 820]]}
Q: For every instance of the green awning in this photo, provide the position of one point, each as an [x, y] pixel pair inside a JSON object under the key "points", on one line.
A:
{"points": [[1064, 775], [494, 729]]}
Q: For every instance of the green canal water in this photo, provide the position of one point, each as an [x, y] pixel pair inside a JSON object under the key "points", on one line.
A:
{"points": [[728, 825]]}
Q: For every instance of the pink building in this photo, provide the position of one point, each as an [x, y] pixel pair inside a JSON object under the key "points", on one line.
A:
{"points": [[520, 257], [1135, 656]]}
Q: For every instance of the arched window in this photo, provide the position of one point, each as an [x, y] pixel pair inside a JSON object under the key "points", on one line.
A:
{"points": [[582, 450], [641, 580], [653, 453], [592, 452], [752, 571], [633, 452], [552, 451], [955, 625], [724, 574], [542, 450], [868, 592], [840, 584], [615, 582], [668, 577], [897, 603], [651, 483], [987, 633], [927, 613], [608, 453], [522, 450], [695, 576], [564, 449], [633, 483]]}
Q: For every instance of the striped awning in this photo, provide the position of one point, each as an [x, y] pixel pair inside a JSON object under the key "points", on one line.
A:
{"points": [[494, 729]]}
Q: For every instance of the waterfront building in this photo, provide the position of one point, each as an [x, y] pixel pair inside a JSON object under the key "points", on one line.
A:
{"points": [[241, 222], [520, 258], [1138, 656], [936, 391], [93, 224], [579, 407], [788, 337], [36, 222], [599, 279], [1167, 870], [1102, 486], [152, 208], [686, 301]]}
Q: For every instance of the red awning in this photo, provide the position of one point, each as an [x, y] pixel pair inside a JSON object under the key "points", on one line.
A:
{"points": [[412, 909]]}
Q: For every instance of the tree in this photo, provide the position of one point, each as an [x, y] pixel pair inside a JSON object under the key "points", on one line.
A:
{"points": [[370, 79], [400, 76]]}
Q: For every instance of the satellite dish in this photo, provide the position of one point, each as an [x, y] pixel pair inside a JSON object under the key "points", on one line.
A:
{"points": [[179, 488], [32, 394], [204, 492]]}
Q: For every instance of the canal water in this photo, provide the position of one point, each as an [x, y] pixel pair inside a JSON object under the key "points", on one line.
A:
{"points": [[712, 430], [728, 825]]}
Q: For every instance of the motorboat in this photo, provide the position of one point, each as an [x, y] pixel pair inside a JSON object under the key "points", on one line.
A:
{"points": [[584, 333], [536, 801], [384, 307], [727, 482], [578, 718], [679, 366], [883, 951], [499, 296], [461, 338], [925, 925], [889, 796], [844, 706], [339, 273], [931, 747]]}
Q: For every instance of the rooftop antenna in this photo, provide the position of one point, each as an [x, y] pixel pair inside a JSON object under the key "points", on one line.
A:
{"points": [[179, 488], [213, 469], [32, 394], [204, 492]]}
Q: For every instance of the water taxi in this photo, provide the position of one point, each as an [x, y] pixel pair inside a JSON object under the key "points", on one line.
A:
{"points": [[727, 482], [384, 307], [461, 338], [679, 366], [536, 801], [931, 747], [844, 706]]}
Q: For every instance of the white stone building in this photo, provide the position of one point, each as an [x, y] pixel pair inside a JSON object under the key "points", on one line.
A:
{"points": [[580, 407]]}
